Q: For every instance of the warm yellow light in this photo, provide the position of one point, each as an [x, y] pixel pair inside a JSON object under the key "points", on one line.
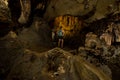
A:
{"points": [[70, 24]]}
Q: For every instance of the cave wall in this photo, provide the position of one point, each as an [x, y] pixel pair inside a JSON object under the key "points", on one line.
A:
{"points": [[76, 7]]}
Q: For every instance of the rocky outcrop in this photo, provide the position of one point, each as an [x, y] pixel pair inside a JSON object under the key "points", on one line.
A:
{"points": [[54, 64], [4, 12], [37, 36], [13, 45], [72, 7], [10, 49], [5, 18], [106, 57], [54, 8], [25, 11], [21, 63], [77, 8], [94, 57]]}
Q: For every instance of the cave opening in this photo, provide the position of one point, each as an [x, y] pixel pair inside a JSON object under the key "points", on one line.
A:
{"points": [[72, 27]]}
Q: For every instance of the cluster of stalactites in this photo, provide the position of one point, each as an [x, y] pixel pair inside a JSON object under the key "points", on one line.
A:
{"points": [[70, 24], [3, 3]]}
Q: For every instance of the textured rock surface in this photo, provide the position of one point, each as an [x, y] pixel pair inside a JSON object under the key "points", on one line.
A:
{"points": [[71, 7], [54, 8], [94, 56], [76, 7], [4, 12], [106, 58], [25, 11], [5, 18], [10, 50], [54, 64], [36, 36]]}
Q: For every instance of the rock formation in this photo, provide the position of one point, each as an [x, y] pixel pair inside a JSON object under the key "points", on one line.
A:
{"points": [[37, 36], [25, 11], [25, 38], [54, 64], [5, 18]]}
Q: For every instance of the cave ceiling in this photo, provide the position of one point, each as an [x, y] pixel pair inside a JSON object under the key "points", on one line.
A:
{"points": [[22, 12], [55, 8]]}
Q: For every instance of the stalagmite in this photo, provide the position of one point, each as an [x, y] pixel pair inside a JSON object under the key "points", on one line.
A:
{"points": [[25, 11], [107, 38], [108, 35], [92, 40], [117, 33]]}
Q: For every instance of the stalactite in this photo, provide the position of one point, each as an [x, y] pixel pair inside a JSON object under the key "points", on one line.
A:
{"points": [[69, 21], [71, 24]]}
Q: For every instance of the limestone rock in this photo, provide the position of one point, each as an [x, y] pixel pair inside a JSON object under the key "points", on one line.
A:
{"points": [[36, 36], [76, 8], [5, 18], [10, 50], [25, 11], [94, 57], [54, 64], [92, 41], [4, 12], [72, 7]]}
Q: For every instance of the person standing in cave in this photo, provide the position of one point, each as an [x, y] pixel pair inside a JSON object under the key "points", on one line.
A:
{"points": [[60, 34]]}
